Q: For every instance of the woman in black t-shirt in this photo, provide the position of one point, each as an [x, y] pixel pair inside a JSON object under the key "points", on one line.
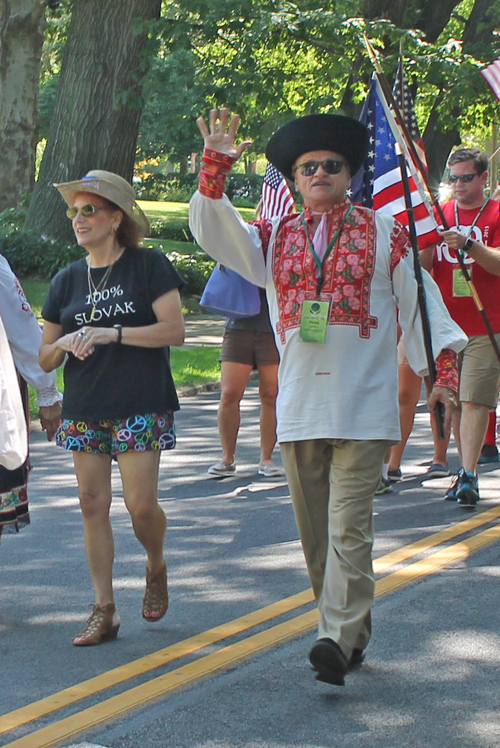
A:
{"points": [[113, 313]]}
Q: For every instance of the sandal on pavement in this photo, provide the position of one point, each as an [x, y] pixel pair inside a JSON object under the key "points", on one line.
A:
{"points": [[219, 470], [437, 470], [155, 603], [270, 470], [103, 624]]}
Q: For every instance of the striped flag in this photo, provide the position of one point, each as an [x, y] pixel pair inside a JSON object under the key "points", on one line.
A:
{"points": [[404, 100], [378, 184], [492, 76], [276, 196]]}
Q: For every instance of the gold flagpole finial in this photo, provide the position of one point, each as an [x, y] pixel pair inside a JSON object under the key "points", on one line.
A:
{"points": [[371, 54]]}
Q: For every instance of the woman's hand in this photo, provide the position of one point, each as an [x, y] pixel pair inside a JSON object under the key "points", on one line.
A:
{"points": [[85, 340], [221, 138]]}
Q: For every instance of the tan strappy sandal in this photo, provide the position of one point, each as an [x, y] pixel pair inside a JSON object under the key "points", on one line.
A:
{"points": [[103, 624], [155, 603]]}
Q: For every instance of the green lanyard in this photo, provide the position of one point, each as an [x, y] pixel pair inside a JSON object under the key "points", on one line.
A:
{"points": [[321, 263]]}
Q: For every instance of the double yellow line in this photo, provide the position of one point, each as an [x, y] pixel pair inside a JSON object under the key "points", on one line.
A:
{"points": [[111, 708]]}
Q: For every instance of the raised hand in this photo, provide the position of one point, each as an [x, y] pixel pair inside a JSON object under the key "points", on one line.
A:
{"points": [[220, 137]]}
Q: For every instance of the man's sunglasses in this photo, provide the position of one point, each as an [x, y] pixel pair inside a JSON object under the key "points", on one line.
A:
{"points": [[462, 178], [330, 165], [85, 210]]}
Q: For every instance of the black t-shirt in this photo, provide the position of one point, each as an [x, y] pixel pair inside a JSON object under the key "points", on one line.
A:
{"points": [[116, 381]]}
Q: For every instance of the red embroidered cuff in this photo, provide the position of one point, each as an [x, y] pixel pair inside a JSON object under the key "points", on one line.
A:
{"points": [[447, 369], [214, 167]]}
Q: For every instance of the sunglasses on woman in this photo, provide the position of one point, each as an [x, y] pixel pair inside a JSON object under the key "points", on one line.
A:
{"points": [[330, 165], [85, 210], [462, 178]]}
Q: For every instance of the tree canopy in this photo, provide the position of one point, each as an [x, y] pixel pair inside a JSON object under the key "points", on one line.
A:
{"points": [[271, 60]]}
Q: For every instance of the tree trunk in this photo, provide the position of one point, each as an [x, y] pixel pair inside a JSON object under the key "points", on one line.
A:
{"points": [[438, 144], [96, 118], [22, 23]]}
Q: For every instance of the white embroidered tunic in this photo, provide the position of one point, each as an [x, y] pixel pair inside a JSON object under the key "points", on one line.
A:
{"points": [[346, 388]]}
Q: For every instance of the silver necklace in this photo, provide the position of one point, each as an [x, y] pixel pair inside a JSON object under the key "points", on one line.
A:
{"points": [[96, 291]]}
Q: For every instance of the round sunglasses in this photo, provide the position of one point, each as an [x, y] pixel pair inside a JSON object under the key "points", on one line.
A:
{"points": [[85, 210], [462, 178], [330, 165]]}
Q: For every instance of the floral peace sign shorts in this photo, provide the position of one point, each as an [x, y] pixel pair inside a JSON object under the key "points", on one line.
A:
{"points": [[112, 437]]}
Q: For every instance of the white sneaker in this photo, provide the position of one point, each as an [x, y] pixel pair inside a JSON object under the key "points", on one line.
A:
{"points": [[219, 470], [271, 470]]}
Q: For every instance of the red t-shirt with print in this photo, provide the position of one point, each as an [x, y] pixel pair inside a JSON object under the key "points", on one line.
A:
{"points": [[448, 276]]}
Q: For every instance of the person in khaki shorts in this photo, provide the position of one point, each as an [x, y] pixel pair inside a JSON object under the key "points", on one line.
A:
{"points": [[334, 276], [474, 221]]}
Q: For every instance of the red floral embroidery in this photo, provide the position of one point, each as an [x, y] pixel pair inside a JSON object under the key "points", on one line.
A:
{"points": [[400, 245], [348, 271], [214, 167], [265, 229], [22, 298], [447, 369]]}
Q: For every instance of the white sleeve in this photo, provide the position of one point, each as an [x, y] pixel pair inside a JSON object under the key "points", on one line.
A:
{"points": [[24, 336], [445, 333], [223, 234]]}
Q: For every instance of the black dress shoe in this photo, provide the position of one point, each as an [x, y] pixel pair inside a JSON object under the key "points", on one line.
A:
{"points": [[357, 657], [328, 659]]}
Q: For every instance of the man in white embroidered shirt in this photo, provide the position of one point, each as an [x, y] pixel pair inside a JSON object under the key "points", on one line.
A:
{"points": [[337, 405]]}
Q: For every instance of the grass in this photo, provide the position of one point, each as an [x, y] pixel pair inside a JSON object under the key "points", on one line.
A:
{"points": [[155, 209], [36, 292], [190, 367]]}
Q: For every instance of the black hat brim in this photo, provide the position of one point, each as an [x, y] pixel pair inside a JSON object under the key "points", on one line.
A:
{"points": [[318, 132]]}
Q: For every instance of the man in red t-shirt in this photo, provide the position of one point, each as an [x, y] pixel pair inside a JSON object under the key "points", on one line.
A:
{"points": [[474, 222]]}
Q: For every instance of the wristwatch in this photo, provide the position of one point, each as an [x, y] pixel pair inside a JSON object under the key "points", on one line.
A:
{"points": [[468, 244]]}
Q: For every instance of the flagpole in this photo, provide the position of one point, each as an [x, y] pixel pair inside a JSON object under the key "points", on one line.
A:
{"points": [[415, 159], [422, 302]]}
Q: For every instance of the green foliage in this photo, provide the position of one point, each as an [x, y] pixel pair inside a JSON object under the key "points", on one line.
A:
{"points": [[169, 187], [242, 189], [12, 219], [194, 268], [32, 255], [173, 229], [271, 60]]}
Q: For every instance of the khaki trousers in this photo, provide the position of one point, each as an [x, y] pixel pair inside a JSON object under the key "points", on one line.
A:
{"points": [[332, 483]]}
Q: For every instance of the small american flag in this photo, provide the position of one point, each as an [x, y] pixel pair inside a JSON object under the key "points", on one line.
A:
{"points": [[378, 184], [276, 196], [492, 76], [404, 100]]}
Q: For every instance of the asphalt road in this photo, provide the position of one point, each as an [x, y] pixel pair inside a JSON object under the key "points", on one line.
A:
{"points": [[432, 669]]}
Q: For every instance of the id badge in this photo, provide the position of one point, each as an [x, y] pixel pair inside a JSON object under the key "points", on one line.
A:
{"points": [[460, 285], [314, 321]]}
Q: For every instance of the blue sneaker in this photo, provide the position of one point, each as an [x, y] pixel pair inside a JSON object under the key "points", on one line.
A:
{"points": [[467, 490], [489, 453], [451, 493]]}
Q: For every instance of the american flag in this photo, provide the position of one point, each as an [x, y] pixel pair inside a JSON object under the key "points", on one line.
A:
{"points": [[276, 197], [378, 183], [403, 98], [492, 76]]}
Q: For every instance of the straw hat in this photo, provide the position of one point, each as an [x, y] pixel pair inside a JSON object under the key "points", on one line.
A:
{"points": [[318, 132], [110, 186]]}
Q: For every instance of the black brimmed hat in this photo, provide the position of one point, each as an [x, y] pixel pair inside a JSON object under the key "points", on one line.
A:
{"points": [[318, 132]]}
